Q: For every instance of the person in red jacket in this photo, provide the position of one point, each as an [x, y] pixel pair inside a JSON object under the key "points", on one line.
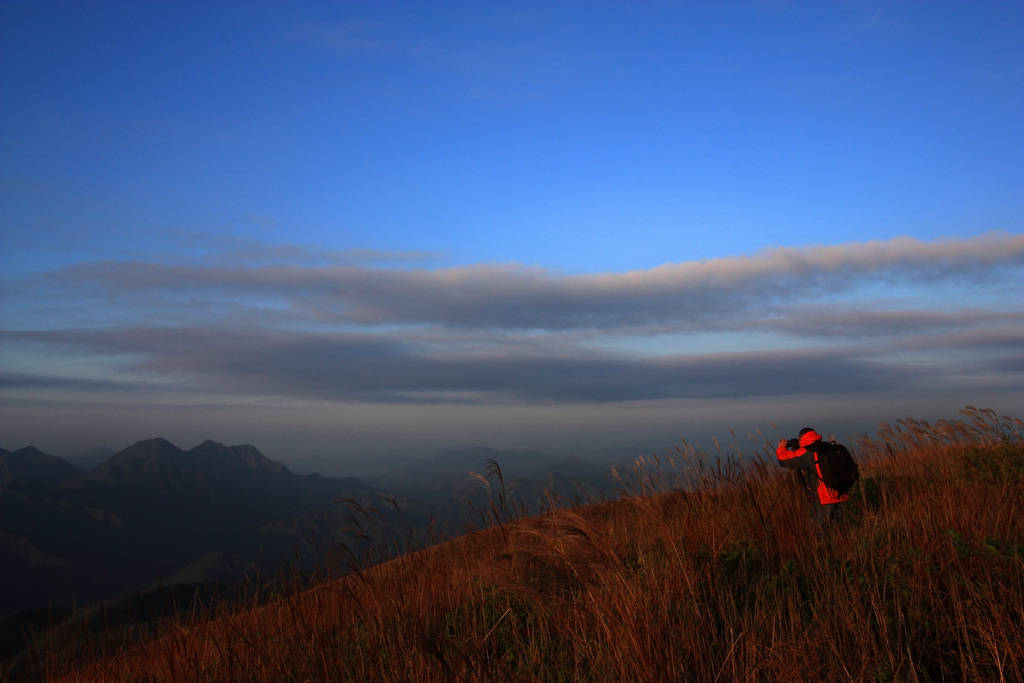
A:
{"points": [[799, 454]]}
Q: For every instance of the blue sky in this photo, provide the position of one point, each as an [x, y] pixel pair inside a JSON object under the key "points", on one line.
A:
{"points": [[355, 228]]}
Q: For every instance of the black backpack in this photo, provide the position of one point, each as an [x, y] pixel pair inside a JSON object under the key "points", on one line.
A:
{"points": [[839, 470]]}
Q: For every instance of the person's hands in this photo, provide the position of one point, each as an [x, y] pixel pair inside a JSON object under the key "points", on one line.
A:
{"points": [[782, 443]]}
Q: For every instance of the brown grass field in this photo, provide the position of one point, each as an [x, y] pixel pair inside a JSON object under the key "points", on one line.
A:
{"points": [[710, 569]]}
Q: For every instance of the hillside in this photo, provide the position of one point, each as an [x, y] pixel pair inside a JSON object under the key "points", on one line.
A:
{"points": [[725, 579]]}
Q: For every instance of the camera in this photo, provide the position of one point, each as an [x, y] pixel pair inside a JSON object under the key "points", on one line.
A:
{"points": [[793, 444]]}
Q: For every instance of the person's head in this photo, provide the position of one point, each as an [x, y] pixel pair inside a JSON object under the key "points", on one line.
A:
{"points": [[808, 436]]}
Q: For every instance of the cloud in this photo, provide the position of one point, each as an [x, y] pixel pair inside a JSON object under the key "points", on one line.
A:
{"points": [[783, 322], [233, 250], [385, 369], [20, 381], [856, 322], [691, 295]]}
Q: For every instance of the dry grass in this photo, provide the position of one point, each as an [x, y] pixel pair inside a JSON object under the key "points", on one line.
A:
{"points": [[724, 580]]}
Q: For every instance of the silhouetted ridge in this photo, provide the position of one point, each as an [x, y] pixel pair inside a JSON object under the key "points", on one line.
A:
{"points": [[244, 456], [29, 464], [154, 463], [152, 511], [157, 463]]}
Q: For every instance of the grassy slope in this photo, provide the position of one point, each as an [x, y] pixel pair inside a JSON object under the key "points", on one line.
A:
{"points": [[728, 581]]}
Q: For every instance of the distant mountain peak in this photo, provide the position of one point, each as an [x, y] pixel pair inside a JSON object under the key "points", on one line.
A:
{"points": [[157, 445], [31, 464], [246, 455], [158, 463]]}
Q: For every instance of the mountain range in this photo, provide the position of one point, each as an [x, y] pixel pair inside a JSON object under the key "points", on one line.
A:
{"points": [[154, 515]]}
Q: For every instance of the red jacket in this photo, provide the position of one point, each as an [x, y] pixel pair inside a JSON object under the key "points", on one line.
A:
{"points": [[806, 461]]}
